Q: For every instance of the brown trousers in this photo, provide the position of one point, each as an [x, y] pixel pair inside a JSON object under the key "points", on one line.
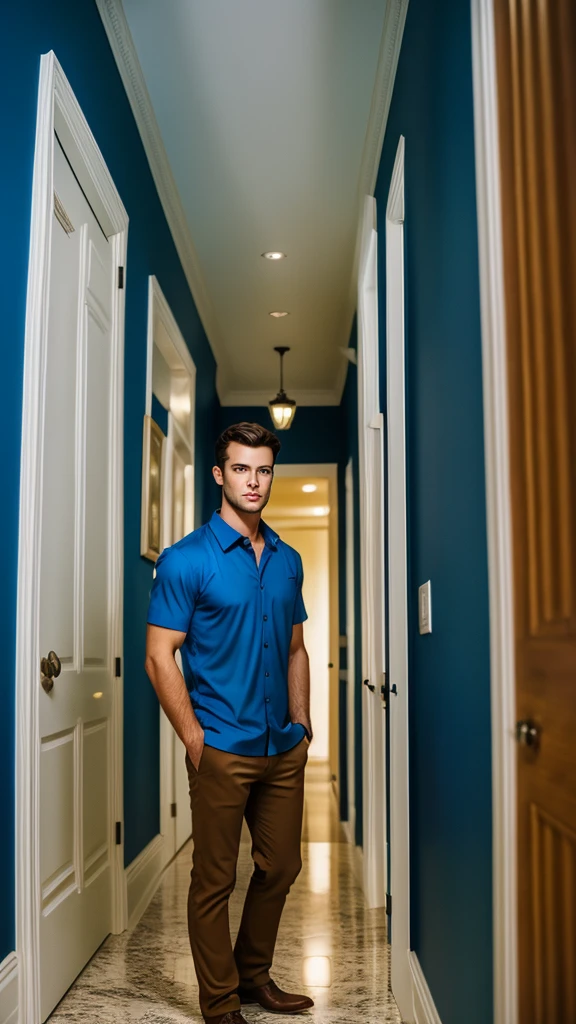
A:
{"points": [[269, 793]]}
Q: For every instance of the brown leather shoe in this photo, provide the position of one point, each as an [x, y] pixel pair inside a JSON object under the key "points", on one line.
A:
{"points": [[232, 1017], [273, 999]]}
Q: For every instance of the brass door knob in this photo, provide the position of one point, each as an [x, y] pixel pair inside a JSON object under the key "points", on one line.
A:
{"points": [[50, 669]]}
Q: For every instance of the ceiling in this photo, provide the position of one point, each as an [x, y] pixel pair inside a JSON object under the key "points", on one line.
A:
{"points": [[263, 108]]}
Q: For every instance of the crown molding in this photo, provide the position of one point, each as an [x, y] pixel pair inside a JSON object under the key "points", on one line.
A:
{"points": [[124, 50], [302, 398], [390, 44]]}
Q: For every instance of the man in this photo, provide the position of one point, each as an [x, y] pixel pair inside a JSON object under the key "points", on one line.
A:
{"points": [[229, 595]]}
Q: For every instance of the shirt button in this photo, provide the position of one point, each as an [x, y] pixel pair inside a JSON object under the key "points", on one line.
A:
{"points": [[265, 645], [265, 618], [261, 586], [266, 674], [267, 700]]}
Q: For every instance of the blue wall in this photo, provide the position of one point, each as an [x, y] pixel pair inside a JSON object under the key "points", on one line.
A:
{"points": [[73, 29], [450, 762], [315, 434]]}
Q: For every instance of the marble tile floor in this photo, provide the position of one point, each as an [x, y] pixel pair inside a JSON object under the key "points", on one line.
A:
{"points": [[329, 945]]}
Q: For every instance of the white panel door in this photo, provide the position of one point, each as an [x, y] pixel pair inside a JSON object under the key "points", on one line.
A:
{"points": [[75, 597], [371, 450]]}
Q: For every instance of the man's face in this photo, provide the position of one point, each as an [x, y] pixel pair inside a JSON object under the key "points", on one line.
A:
{"points": [[247, 477]]}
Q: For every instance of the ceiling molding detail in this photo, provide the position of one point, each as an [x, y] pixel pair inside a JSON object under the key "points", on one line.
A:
{"points": [[391, 42], [122, 45], [302, 398]]}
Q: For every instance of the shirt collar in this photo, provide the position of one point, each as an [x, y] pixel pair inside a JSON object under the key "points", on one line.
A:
{"points": [[228, 537]]}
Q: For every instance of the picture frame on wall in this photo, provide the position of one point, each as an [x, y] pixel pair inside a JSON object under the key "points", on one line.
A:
{"points": [[152, 469]]}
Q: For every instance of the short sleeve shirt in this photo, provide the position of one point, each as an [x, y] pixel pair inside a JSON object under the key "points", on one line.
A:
{"points": [[238, 618]]}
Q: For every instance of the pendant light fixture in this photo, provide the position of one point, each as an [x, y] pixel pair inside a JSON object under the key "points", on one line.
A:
{"points": [[282, 409]]}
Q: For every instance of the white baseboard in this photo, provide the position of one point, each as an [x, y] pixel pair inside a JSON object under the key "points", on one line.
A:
{"points": [[424, 1010], [143, 877], [9, 989]]}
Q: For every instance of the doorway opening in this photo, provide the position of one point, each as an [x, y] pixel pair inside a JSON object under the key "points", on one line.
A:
{"points": [[304, 511]]}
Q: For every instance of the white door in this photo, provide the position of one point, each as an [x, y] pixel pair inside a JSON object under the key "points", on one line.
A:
{"points": [[371, 446], [398, 592], [76, 617]]}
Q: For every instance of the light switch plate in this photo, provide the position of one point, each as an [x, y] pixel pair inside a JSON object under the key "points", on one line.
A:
{"points": [[425, 607]]}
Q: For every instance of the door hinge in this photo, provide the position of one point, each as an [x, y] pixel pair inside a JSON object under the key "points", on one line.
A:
{"points": [[172, 810], [120, 277], [118, 833], [388, 905], [118, 671]]}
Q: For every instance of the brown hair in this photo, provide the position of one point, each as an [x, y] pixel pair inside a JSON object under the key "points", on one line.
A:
{"points": [[250, 434]]}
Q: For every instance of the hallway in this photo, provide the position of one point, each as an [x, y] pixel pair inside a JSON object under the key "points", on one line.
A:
{"points": [[329, 945]]}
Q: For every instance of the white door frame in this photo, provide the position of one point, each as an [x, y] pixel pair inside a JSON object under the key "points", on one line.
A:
{"points": [[398, 591], [162, 321], [499, 514], [330, 471], [371, 451], [351, 681], [58, 110]]}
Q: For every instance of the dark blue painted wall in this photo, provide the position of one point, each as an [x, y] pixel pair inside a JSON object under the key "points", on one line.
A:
{"points": [[450, 766], [72, 28], [315, 434]]}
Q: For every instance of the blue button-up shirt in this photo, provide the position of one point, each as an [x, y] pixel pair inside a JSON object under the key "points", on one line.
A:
{"points": [[238, 618]]}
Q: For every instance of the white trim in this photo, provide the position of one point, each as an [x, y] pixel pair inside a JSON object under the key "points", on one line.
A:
{"points": [[350, 671], [143, 878], [499, 517], [9, 989], [172, 346], [57, 109], [159, 310], [302, 397], [125, 54], [398, 588], [425, 1011], [390, 46], [373, 598]]}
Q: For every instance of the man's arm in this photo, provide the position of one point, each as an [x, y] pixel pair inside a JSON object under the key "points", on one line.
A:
{"points": [[168, 681], [299, 680]]}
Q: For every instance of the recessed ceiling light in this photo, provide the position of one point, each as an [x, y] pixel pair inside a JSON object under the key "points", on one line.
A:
{"points": [[309, 488], [274, 255], [277, 313], [321, 510]]}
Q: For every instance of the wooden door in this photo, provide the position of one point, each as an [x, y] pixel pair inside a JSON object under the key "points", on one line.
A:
{"points": [[76, 614], [536, 43]]}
